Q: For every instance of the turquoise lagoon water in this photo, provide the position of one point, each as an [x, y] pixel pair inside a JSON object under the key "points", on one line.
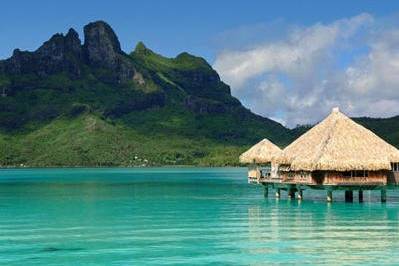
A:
{"points": [[187, 216]]}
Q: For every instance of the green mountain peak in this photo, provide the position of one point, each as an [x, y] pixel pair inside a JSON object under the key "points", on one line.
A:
{"points": [[141, 48], [91, 104]]}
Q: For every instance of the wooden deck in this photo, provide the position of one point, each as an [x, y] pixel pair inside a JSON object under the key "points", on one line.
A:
{"points": [[295, 184]]}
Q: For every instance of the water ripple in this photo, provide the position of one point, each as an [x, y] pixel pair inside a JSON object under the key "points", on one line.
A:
{"points": [[188, 217]]}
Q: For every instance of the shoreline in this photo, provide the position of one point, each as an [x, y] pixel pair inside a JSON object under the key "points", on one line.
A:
{"points": [[116, 167]]}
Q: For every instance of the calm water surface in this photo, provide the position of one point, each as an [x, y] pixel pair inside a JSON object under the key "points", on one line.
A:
{"points": [[189, 216]]}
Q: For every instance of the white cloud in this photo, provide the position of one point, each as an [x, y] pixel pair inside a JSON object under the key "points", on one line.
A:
{"points": [[300, 77], [372, 82]]}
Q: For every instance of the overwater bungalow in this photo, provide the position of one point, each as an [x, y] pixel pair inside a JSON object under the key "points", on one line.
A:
{"points": [[336, 154], [261, 160]]}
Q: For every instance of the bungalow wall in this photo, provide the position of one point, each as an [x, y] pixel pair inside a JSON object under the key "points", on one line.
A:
{"points": [[356, 178], [335, 178], [258, 172], [393, 178], [297, 177], [254, 173]]}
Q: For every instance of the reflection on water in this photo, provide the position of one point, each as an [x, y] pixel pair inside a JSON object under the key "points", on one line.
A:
{"points": [[306, 231], [183, 216]]}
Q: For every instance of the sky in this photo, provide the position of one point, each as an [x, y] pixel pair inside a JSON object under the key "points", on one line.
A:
{"points": [[291, 61]]}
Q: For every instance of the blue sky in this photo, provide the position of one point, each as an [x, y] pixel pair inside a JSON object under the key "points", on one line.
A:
{"points": [[289, 60], [168, 27]]}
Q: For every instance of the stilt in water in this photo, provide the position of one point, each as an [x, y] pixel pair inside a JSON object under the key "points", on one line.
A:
{"points": [[277, 193], [291, 193], [329, 196], [300, 194], [266, 192], [384, 195], [348, 196], [360, 195]]}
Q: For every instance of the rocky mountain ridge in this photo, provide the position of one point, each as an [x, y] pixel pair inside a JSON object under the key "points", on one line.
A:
{"points": [[70, 103]]}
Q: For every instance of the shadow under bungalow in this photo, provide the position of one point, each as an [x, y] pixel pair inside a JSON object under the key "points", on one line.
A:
{"points": [[336, 154]]}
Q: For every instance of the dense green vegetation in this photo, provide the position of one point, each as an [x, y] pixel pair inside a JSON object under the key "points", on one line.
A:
{"points": [[89, 140], [173, 111], [68, 105]]}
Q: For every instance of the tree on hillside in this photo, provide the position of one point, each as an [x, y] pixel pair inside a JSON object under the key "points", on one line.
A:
{"points": [[4, 83]]}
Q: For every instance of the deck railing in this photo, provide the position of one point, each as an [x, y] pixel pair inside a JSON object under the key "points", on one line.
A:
{"points": [[261, 176]]}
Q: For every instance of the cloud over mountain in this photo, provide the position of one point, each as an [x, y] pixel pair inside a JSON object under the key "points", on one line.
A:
{"points": [[297, 78]]}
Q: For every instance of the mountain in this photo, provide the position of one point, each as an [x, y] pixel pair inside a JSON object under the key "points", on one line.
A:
{"points": [[91, 104], [72, 104]]}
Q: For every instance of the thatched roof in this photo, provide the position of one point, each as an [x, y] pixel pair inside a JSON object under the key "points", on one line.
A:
{"points": [[262, 152], [338, 143]]}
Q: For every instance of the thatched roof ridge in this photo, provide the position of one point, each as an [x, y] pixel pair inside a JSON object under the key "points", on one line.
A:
{"points": [[262, 152], [338, 143]]}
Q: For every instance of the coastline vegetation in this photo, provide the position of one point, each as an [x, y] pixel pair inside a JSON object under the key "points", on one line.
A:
{"points": [[91, 104]]}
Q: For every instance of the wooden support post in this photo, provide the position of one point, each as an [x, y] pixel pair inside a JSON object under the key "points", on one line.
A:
{"points": [[291, 193], [360, 195], [384, 195], [329, 196], [266, 192], [348, 196], [277, 193], [300, 194]]}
